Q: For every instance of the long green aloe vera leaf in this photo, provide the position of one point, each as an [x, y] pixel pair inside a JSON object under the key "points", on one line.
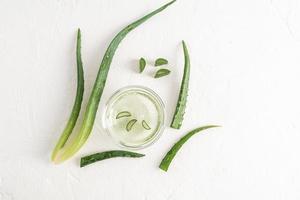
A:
{"points": [[181, 102], [92, 106], [87, 160], [77, 104], [165, 163]]}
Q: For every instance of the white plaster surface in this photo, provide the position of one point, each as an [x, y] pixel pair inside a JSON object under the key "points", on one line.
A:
{"points": [[245, 57]]}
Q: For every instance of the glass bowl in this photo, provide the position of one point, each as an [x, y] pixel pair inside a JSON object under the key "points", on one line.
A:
{"points": [[134, 116]]}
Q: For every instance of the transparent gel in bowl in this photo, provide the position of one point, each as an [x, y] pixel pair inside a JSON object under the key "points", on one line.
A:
{"points": [[143, 104]]}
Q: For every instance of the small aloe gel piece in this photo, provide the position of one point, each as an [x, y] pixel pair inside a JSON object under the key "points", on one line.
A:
{"points": [[142, 64], [160, 61], [161, 73]]}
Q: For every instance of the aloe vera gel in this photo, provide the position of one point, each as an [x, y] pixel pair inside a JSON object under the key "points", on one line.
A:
{"points": [[134, 117]]}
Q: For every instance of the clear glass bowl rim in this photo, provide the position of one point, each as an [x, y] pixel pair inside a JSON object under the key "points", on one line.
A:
{"points": [[153, 95]]}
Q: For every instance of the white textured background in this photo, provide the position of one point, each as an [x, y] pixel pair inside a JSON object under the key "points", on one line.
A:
{"points": [[245, 77]]}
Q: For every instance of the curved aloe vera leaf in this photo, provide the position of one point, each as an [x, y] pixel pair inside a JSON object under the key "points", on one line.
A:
{"points": [[165, 163], [181, 102], [87, 160], [77, 104], [93, 103]]}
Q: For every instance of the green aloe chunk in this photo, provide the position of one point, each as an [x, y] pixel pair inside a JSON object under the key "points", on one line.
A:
{"points": [[161, 73], [160, 61], [123, 114], [142, 63], [130, 124], [145, 125]]}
